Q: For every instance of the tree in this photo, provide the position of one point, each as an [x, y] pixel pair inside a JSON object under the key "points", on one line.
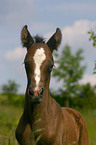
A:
{"points": [[87, 96], [10, 88], [69, 70], [88, 91]]}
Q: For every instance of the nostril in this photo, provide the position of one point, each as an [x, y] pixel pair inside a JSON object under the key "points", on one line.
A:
{"points": [[41, 91], [31, 93]]}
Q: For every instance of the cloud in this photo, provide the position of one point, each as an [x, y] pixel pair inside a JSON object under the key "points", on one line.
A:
{"points": [[15, 54], [78, 31], [77, 37], [77, 34], [89, 79], [79, 27]]}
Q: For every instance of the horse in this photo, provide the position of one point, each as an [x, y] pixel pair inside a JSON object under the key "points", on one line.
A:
{"points": [[43, 121]]}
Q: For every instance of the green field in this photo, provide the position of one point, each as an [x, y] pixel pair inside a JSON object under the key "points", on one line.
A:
{"points": [[90, 118], [9, 116]]}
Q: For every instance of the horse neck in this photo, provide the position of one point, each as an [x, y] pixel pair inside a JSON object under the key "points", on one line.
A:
{"points": [[46, 95]]}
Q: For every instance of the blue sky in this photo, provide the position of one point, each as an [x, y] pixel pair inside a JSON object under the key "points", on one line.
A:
{"points": [[73, 17]]}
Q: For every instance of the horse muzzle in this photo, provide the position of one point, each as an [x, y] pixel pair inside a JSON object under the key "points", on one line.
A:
{"points": [[36, 93]]}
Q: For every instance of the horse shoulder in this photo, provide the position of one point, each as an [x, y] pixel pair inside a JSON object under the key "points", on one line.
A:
{"points": [[75, 115]]}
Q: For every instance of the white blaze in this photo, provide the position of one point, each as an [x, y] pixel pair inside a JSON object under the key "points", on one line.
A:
{"points": [[39, 57]]}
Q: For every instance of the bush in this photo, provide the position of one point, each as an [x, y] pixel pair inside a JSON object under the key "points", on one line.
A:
{"points": [[12, 99]]}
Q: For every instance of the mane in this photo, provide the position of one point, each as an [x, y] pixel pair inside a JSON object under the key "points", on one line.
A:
{"points": [[39, 39]]}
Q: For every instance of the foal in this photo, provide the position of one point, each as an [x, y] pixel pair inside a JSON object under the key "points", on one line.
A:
{"points": [[43, 121]]}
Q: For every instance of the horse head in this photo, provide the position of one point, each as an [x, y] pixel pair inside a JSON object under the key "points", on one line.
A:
{"points": [[39, 62]]}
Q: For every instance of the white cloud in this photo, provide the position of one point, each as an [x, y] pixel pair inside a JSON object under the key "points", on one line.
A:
{"points": [[14, 60], [79, 27], [15, 54], [77, 35], [89, 79]]}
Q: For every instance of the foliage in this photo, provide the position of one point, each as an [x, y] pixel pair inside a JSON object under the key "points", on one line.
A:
{"points": [[13, 99], [86, 98], [87, 91], [10, 88], [69, 70], [92, 37]]}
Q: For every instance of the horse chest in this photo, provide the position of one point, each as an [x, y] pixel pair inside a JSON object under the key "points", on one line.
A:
{"points": [[46, 129]]}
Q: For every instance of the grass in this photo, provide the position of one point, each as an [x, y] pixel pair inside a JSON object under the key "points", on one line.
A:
{"points": [[90, 118], [10, 115]]}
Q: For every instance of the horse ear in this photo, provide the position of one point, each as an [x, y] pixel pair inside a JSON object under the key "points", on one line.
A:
{"points": [[55, 40], [26, 38]]}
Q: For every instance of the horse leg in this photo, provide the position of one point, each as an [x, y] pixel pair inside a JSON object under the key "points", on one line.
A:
{"points": [[23, 132]]}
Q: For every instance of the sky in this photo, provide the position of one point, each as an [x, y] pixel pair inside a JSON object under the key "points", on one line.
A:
{"points": [[74, 18]]}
